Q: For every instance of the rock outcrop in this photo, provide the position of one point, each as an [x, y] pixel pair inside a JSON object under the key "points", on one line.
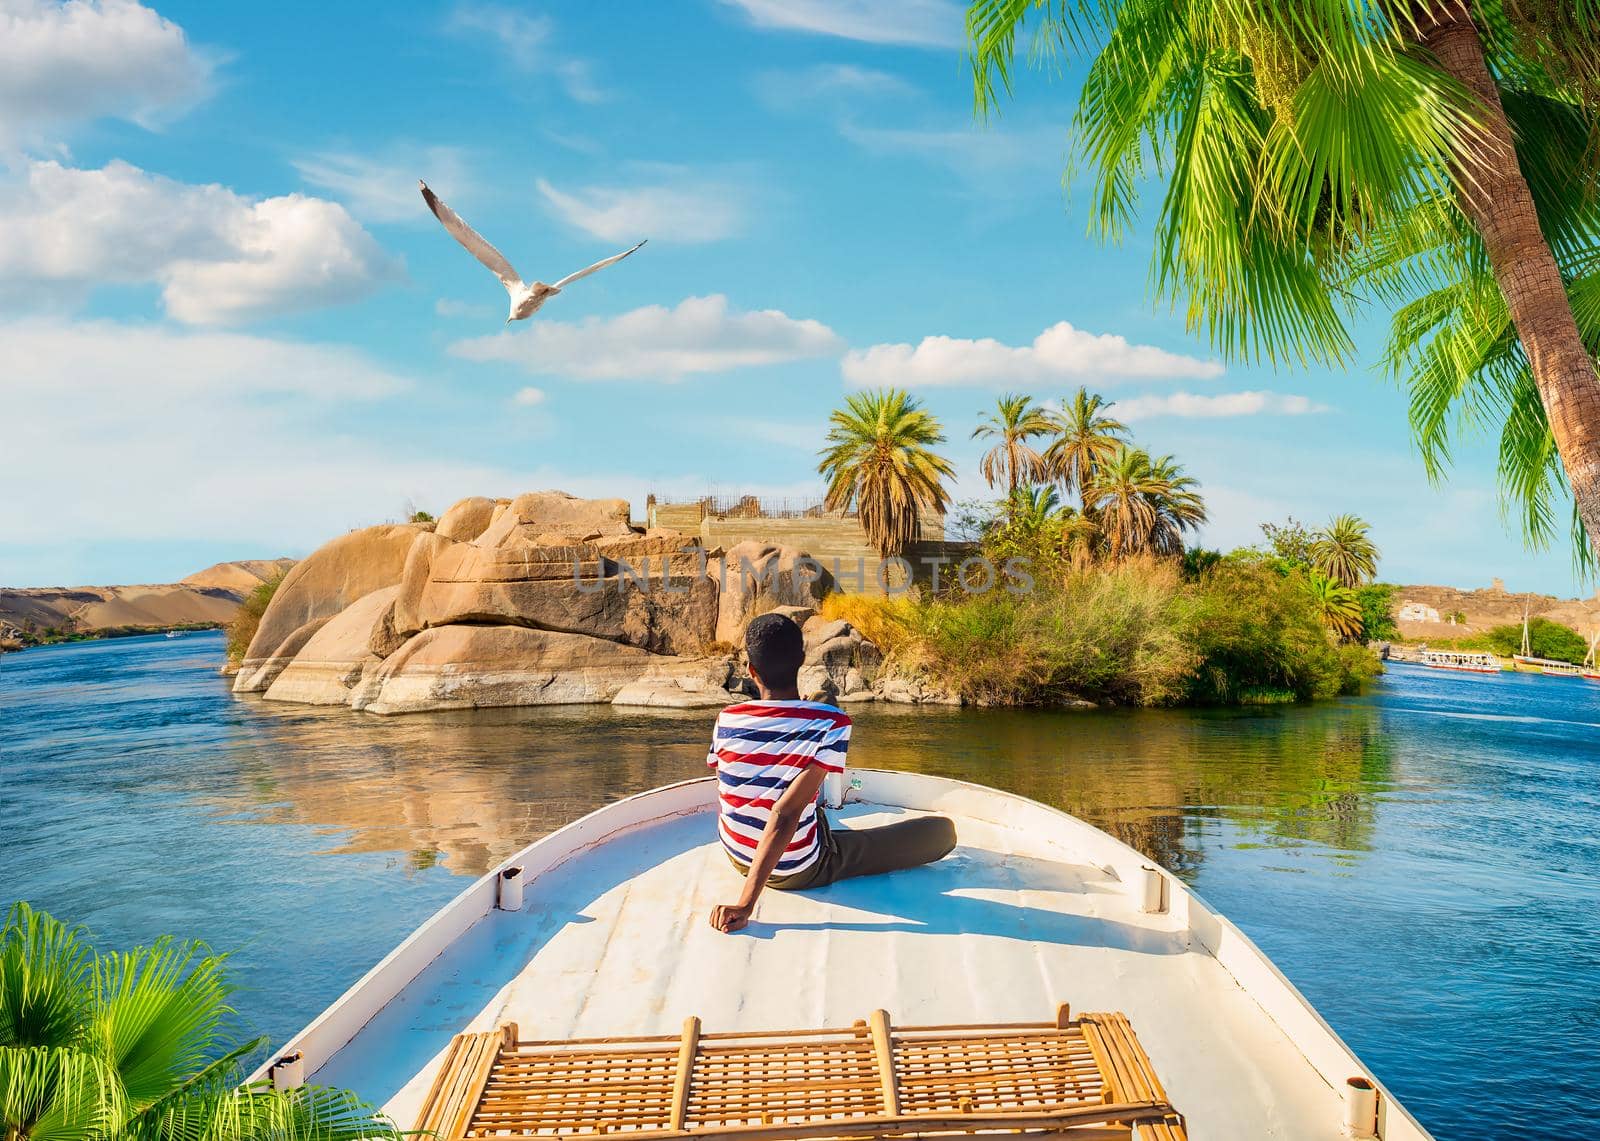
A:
{"points": [[840, 664], [321, 585], [477, 667], [543, 599], [757, 577], [339, 653], [468, 518]]}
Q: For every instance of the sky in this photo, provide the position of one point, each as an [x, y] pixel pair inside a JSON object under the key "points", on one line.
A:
{"points": [[230, 328]]}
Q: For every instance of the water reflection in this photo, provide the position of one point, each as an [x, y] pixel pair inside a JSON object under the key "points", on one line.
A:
{"points": [[468, 789]]}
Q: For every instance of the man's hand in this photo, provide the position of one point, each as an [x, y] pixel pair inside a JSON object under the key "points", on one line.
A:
{"points": [[729, 917]]}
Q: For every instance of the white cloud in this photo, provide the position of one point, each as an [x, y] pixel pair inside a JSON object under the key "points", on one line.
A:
{"points": [[525, 41], [914, 23], [686, 212], [449, 307], [699, 335], [1060, 353], [63, 63], [972, 151], [803, 88], [523, 38], [1189, 406], [529, 397], [383, 189], [218, 256]]}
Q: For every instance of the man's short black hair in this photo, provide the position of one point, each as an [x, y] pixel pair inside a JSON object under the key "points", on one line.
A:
{"points": [[776, 648]]}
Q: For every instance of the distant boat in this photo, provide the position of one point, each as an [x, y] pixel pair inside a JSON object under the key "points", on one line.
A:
{"points": [[546, 1000], [1526, 660], [1588, 670], [1547, 666], [174, 633], [1460, 661]]}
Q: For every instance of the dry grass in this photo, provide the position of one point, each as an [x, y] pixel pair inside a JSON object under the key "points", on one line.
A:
{"points": [[245, 623], [1129, 633]]}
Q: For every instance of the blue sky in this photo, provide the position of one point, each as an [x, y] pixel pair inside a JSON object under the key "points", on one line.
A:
{"points": [[229, 327]]}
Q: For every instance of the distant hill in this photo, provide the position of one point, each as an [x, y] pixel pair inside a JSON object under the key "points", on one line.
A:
{"points": [[1424, 612], [206, 598], [244, 575]]}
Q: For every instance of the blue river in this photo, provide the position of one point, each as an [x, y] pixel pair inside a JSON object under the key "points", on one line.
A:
{"points": [[1423, 861]]}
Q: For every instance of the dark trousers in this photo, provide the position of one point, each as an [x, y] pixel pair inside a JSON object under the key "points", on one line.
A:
{"points": [[869, 851]]}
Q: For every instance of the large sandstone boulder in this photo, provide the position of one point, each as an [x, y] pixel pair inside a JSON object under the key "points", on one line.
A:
{"points": [[257, 674], [755, 577], [840, 663], [682, 690], [537, 513], [320, 586], [352, 643], [661, 603], [472, 667], [466, 519]]}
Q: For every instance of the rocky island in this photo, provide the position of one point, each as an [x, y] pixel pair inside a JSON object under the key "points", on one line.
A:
{"points": [[544, 599]]}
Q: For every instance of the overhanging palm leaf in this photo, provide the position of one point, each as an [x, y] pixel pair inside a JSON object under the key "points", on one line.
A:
{"points": [[1314, 154]]}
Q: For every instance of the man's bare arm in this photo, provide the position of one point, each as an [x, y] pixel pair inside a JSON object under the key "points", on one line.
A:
{"points": [[781, 824]]}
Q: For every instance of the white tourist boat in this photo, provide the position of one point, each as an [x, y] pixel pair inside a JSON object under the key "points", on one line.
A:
{"points": [[1461, 661], [583, 973]]}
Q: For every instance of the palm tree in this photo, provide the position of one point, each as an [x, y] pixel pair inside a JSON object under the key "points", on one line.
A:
{"points": [[1337, 605], [1085, 439], [1179, 507], [1015, 421], [131, 1046], [1143, 505], [879, 462], [1468, 207], [1343, 552]]}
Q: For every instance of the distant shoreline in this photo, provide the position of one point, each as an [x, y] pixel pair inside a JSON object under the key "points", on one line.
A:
{"points": [[15, 646]]}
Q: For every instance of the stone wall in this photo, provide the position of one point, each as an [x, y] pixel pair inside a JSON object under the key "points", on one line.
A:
{"points": [[832, 538]]}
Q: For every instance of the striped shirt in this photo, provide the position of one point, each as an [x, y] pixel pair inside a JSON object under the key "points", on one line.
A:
{"points": [[758, 749]]}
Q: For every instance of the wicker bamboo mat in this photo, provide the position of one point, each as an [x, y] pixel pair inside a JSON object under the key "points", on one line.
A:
{"points": [[1083, 1078]]}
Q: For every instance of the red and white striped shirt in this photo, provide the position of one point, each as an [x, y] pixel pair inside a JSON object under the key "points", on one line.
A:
{"points": [[758, 749]]}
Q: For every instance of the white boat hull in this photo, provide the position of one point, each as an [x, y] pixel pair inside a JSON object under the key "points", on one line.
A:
{"points": [[1035, 907]]}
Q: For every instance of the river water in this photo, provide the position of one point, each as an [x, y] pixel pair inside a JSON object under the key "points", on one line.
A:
{"points": [[1423, 862]]}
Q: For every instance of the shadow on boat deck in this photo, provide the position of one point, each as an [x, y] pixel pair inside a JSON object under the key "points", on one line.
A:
{"points": [[948, 898]]}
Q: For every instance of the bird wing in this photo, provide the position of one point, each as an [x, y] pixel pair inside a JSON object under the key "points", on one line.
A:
{"points": [[472, 240], [599, 265]]}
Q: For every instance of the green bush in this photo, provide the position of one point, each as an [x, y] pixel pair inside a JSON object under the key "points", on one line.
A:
{"points": [[245, 623], [1256, 631], [1377, 612], [1546, 639], [1130, 633]]}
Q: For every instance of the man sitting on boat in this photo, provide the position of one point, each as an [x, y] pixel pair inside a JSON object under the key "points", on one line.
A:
{"points": [[771, 756]]}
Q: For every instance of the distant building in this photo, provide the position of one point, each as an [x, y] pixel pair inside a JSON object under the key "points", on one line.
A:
{"points": [[834, 538], [1417, 612]]}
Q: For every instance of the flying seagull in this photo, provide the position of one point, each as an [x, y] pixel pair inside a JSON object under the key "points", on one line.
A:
{"points": [[526, 299]]}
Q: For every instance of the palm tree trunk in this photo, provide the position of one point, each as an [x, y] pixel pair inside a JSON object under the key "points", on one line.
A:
{"points": [[1495, 196]]}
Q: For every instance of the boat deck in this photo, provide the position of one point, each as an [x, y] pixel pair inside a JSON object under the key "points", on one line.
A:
{"points": [[615, 941]]}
